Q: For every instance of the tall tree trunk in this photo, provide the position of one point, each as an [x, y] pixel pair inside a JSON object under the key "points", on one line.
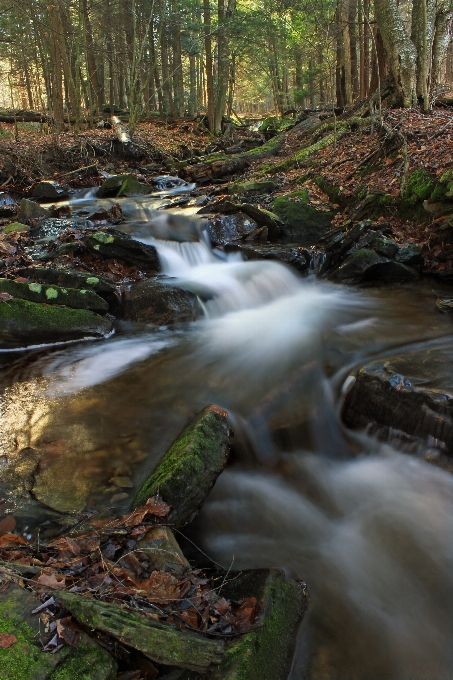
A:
{"points": [[353, 42], [400, 50], [209, 70], [422, 35], [225, 14], [91, 61], [442, 39]]}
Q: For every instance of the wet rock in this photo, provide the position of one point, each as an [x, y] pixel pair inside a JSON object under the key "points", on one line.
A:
{"points": [[265, 653], [68, 278], [16, 227], [162, 549], [380, 244], [160, 642], [365, 265], [296, 256], [189, 469], [27, 322], [29, 210], [112, 244], [411, 393], [227, 228], [122, 185], [54, 295], [410, 254], [299, 219], [165, 182], [8, 205], [50, 191], [25, 660], [154, 302], [252, 188], [445, 305]]}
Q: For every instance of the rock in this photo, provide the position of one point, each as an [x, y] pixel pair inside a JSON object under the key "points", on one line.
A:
{"points": [[445, 305], [162, 549], [410, 393], [154, 302], [189, 469], [296, 256], [266, 653], [160, 642], [68, 278], [8, 205], [299, 219], [222, 230], [252, 188], [54, 295], [112, 244], [122, 185], [29, 210], [164, 182], [50, 229], [365, 265], [380, 244], [410, 254], [49, 190], [25, 660], [16, 227], [27, 322]]}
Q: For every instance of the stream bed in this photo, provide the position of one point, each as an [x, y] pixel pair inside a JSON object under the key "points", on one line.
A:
{"points": [[368, 528]]}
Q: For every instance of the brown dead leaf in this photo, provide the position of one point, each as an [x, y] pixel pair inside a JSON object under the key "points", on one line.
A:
{"points": [[160, 587], [68, 631], [8, 523], [51, 579], [4, 297], [189, 616], [154, 506], [10, 540], [7, 640]]}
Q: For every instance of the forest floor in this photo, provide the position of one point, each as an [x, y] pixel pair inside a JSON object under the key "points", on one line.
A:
{"points": [[348, 167]]}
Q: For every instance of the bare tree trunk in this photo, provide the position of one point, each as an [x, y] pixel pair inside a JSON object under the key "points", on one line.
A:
{"points": [[442, 39], [209, 70], [422, 35], [225, 14]]}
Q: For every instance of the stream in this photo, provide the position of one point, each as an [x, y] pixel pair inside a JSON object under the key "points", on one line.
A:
{"points": [[368, 528]]}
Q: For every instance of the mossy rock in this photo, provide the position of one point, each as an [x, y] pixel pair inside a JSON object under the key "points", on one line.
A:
{"points": [[266, 653], [332, 190], [122, 247], [29, 210], [439, 194], [27, 322], [300, 220], [16, 227], [122, 185], [54, 295], [420, 186], [410, 254], [68, 278], [252, 188], [189, 469], [49, 190], [365, 265], [274, 124], [159, 641]]}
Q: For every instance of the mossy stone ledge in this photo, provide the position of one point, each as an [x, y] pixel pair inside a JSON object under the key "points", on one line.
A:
{"points": [[27, 322], [299, 219], [252, 188], [54, 295], [189, 469], [122, 185], [122, 247]]}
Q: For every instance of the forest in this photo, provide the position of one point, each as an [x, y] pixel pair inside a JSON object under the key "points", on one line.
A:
{"points": [[226, 383]]}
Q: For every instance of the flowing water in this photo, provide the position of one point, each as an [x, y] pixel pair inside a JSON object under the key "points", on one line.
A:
{"points": [[368, 528]]}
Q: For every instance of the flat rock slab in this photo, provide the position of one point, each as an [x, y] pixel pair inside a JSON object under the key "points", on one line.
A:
{"points": [[68, 278], [265, 653], [411, 392], [54, 295], [122, 247], [189, 469], [296, 256], [160, 642], [25, 660], [154, 302], [27, 322]]}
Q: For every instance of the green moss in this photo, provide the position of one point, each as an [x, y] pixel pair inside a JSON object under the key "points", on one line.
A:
{"points": [[23, 660], [252, 188], [102, 237], [92, 279], [332, 191], [439, 194], [35, 287], [16, 226], [419, 186], [300, 218], [51, 293], [39, 293], [88, 662], [447, 178]]}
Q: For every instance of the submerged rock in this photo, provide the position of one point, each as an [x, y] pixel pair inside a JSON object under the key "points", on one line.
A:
{"points": [[160, 642], [411, 393], [300, 220], [265, 653], [154, 302], [54, 295], [122, 185], [122, 247], [25, 660], [189, 469], [27, 322]]}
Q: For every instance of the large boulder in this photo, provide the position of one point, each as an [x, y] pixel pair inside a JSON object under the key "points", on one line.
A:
{"points": [[366, 265], [111, 244], [54, 295], [227, 228], [27, 322], [161, 642], [154, 302], [300, 220], [29, 210], [49, 191], [189, 469], [24, 659], [265, 653], [122, 185]]}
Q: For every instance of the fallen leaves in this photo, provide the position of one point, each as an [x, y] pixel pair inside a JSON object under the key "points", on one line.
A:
{"points": [[8, 523], [7, 640]]}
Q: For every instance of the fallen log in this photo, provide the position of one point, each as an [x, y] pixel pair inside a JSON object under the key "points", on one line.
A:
{"points": [[22, 116]]}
